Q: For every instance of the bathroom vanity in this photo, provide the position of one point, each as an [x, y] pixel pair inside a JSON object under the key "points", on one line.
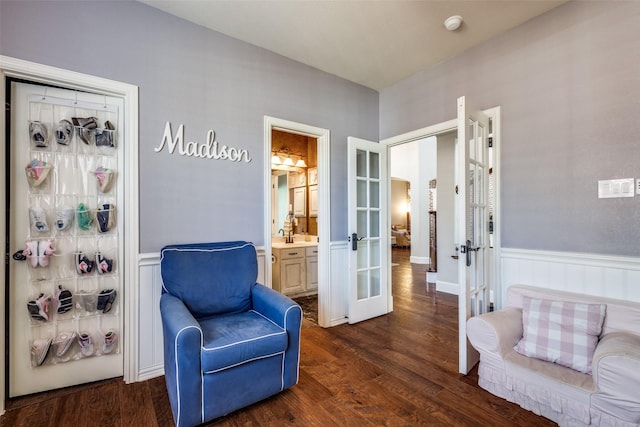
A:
{"points": [[295, 267]]}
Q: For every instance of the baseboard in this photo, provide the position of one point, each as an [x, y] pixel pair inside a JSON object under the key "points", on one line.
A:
{"points": [[419, 260], [447, 287], [150, 372]]}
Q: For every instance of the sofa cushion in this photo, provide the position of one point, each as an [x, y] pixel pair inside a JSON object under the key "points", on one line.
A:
{"points": [[210, 278], [562, 332], [232, 339]]}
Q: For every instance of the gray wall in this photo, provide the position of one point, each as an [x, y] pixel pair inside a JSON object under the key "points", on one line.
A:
{"points": [[193, 76], [568, 83]]}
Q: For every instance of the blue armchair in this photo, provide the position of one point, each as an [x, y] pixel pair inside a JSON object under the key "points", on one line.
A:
{"points": [[228, 341]]}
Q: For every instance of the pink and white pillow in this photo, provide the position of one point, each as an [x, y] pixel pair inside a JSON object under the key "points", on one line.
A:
{"points": [[565, 333]]}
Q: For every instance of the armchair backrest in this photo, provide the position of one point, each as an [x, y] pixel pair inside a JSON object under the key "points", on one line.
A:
{"points": [[210, 278]]}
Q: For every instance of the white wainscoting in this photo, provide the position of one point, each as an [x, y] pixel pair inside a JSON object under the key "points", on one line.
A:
{"points": [[150, 337], [339, 283], [150, 353], [600, 275]]}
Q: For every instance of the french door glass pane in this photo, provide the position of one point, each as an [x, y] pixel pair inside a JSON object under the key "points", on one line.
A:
{"points": [[374, 165], [363, 254], [375, 253], [363, 285], [361, 193], [375, 224], [374, 194], [375, 282], [363, 224], [361, 163]]}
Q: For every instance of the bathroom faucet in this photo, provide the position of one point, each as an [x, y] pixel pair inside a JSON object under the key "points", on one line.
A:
{"points": [[281, 231], [289, 237]]}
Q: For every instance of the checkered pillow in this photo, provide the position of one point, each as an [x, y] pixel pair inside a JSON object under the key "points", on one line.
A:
{"points": [[565, 333]]}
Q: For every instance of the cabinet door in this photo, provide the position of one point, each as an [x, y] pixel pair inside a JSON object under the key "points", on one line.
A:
{"points": [[312, 273], [292, 275], [313, 201], [300, 201]]}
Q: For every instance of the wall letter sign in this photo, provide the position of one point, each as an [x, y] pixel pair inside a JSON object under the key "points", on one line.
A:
{"points": [[206, 150]]}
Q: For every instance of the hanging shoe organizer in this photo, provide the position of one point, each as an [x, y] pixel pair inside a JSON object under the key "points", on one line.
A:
{"points": [[72, 244]]}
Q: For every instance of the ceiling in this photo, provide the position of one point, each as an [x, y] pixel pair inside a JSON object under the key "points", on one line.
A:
{"points": [[373, 43]]}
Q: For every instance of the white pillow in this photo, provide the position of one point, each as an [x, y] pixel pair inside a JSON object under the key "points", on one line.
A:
{"points": [[565, 333]]}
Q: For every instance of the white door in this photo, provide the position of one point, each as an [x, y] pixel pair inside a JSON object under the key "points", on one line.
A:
{"points": [[472, 224], [84, 168], [369, 293]]}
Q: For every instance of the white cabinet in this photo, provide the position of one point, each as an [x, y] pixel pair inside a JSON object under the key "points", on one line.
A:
{"points": [[300, 201], [295, 270], [312, 268], [313, 201], [292, 275]]}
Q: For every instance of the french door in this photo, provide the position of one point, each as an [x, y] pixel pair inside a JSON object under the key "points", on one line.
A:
{"points": [[472, 224], [369, 293]]}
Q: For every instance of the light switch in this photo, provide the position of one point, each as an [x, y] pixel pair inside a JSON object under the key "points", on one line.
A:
{"points": [[638, 186], [611, 188]]}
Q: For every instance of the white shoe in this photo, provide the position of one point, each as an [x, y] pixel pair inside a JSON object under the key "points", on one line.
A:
{"points": [[105, 178], [63, 342], [86, 344], [38, 219], [110, 341], [45, 250], [39, 350], [31, 252], [64, 218]]}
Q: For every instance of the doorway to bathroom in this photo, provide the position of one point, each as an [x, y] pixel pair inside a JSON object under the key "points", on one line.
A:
{"points": [[297, 214]]}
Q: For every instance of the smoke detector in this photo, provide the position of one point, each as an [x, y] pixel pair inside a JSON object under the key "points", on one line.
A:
{"points": [[452, 23]]}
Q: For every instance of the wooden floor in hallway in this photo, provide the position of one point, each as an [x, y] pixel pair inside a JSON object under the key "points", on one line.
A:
{"points": [[395, 370]]}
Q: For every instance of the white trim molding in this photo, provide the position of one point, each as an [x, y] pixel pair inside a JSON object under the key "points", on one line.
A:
{"points": [[339, 289], [592, 274], [419, 260]]}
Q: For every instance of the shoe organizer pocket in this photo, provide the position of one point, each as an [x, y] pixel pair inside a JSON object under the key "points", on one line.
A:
{"points": [[39, 173], [85, 300]]}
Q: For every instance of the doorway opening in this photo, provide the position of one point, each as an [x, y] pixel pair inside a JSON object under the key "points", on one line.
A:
{"points": [[431, 203], [297, 212], [294, 206]]}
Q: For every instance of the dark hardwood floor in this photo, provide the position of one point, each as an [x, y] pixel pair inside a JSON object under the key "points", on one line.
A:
{"points": [[395, 370]]}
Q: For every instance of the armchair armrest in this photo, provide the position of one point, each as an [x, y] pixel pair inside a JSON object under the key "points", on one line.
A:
{"points": [[496, 332], [182, 347], [616, 372], [283, 311]]}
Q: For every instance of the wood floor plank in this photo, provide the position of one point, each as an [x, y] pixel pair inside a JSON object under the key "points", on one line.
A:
{"points": [[137, 405]]}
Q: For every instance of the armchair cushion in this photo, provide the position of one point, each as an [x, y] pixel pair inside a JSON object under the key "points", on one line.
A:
{"points": [[230, 340], [186, 274]]}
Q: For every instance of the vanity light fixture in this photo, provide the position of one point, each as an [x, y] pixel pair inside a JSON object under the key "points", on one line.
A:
{"points": [[288, 162], [283, 159]]}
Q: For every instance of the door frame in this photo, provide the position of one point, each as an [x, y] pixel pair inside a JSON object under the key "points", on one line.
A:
{"points": [[445, 127], [31, 71], [323, 137]]}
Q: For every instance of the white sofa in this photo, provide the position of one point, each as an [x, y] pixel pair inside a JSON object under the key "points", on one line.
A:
{"points": [[609, 396]]}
